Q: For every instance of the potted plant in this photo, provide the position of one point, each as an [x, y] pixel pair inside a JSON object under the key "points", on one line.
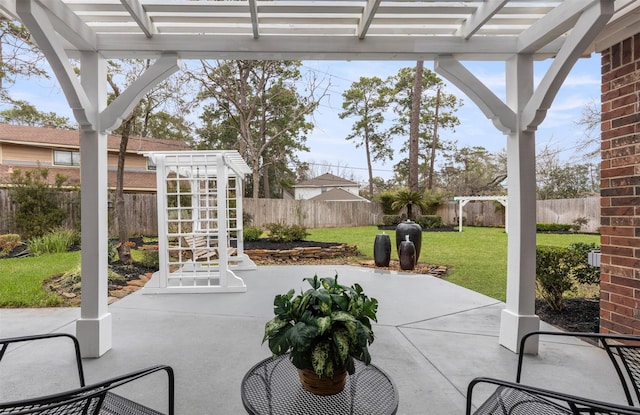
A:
{"points": [[323, 329]]}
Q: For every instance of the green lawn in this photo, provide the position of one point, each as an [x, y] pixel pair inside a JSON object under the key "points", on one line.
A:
{"points": [[477, 256], [21, 279]]}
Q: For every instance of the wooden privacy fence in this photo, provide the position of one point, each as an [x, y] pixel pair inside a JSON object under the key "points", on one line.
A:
{"points": [[141, 213]]}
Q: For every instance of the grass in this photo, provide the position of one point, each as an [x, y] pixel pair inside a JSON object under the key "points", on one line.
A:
{"points": [[21, 279], [477, 257]]}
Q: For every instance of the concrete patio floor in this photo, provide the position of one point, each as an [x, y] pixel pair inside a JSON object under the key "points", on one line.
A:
{"points": [[432, 338]]}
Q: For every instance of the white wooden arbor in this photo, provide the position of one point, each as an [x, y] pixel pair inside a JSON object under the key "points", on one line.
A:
{"points": [[514, 32], [200, 231], [463, 200]]}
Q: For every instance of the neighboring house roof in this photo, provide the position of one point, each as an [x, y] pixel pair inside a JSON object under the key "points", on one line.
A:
{"points": [[69, 140], [338, 195], [59, 138], [325, 180]]}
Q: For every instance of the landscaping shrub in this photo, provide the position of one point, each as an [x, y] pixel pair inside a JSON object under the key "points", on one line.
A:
{"points": [[57, 241], [386, 200], [585, 273], [252, 233], [554, 273], [553, 227], [578, 223], [150, 258], [279, 232], [112, 252], [432, 200], [389, 220], [38, 203], [8, 243], [430, 221]]}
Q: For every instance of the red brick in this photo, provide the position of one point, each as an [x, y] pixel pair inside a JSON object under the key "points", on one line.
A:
{"points": [[622, 241], [625, 262], [614, 271], [616, 250], [616, 230], [618, 172], [617, 191]]}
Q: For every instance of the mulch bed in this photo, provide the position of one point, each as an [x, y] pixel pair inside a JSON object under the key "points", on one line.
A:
{"points": [[579, 314]]}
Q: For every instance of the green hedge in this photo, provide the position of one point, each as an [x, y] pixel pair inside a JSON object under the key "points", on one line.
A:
{"points": [[553, 227], [391, 219], [279, 232], [558, 270], [430, 221]]}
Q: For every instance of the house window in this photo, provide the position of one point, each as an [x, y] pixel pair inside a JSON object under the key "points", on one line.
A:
{"points": [[66, 158], [151, 165]]}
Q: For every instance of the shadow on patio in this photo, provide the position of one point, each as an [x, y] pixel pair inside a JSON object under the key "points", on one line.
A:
{"points": [[432, 338]]}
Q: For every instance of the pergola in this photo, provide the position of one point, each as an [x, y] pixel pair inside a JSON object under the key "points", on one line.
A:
{"points": [[463, 200], [449, 32]]}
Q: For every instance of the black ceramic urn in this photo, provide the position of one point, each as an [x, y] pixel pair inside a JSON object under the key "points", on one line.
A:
{"points": [[414, 231], [382, 250], [407, 254]]}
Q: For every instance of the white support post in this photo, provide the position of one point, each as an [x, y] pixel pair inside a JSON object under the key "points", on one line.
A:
{"points": [[94, 328], [518, 318], [163, 223]]}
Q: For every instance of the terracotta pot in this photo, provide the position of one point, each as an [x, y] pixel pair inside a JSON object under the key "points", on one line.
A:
{"points": [[323, 386]]}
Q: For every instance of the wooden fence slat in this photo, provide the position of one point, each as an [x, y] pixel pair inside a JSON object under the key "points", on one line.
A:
{"points": [[141, 213]]}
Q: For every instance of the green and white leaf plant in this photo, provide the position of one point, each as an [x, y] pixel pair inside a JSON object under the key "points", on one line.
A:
{"points": [[324, 328]]}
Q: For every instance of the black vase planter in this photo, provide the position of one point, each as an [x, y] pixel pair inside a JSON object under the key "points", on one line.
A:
{"points": [[407, 255], [414, 231], [382, 250]]}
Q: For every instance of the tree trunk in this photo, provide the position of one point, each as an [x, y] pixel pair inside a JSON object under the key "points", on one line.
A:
{"points": [[369, 168], [265, 182], [256, 181], [124, 253], [434, 142], [414, 131]]}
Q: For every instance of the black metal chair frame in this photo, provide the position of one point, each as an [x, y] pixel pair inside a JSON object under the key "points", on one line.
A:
{"points": [[516, 398], [96, 398], [624, 357]]}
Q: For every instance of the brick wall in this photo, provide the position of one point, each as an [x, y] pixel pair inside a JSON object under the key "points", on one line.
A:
{"points": [[620, 189]]}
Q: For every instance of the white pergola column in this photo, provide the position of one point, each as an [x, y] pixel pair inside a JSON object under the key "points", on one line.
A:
{"points": [[518, 318], [93, 329]]}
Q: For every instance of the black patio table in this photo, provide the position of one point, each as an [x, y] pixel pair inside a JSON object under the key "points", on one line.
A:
{"points": [[272, 387]]}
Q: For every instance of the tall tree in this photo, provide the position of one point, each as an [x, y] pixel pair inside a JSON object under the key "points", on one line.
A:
{"points": [[19, 56], [367, 100], [590, 120], [160, 113], [556, 180], [23, 113], [403, 86], [414, 126], [257, 108], [473, 171]]}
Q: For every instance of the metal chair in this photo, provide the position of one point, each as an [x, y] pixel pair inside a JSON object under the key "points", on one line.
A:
{"points": [[623, 350], [94, 399], [511, 398]]}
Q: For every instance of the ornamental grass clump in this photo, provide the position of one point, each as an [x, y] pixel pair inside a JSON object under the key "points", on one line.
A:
{"points": [[324, 328]]}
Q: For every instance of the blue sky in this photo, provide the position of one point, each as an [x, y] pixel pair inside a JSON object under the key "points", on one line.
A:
{"points": [[327, 141], [559, 129]]}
